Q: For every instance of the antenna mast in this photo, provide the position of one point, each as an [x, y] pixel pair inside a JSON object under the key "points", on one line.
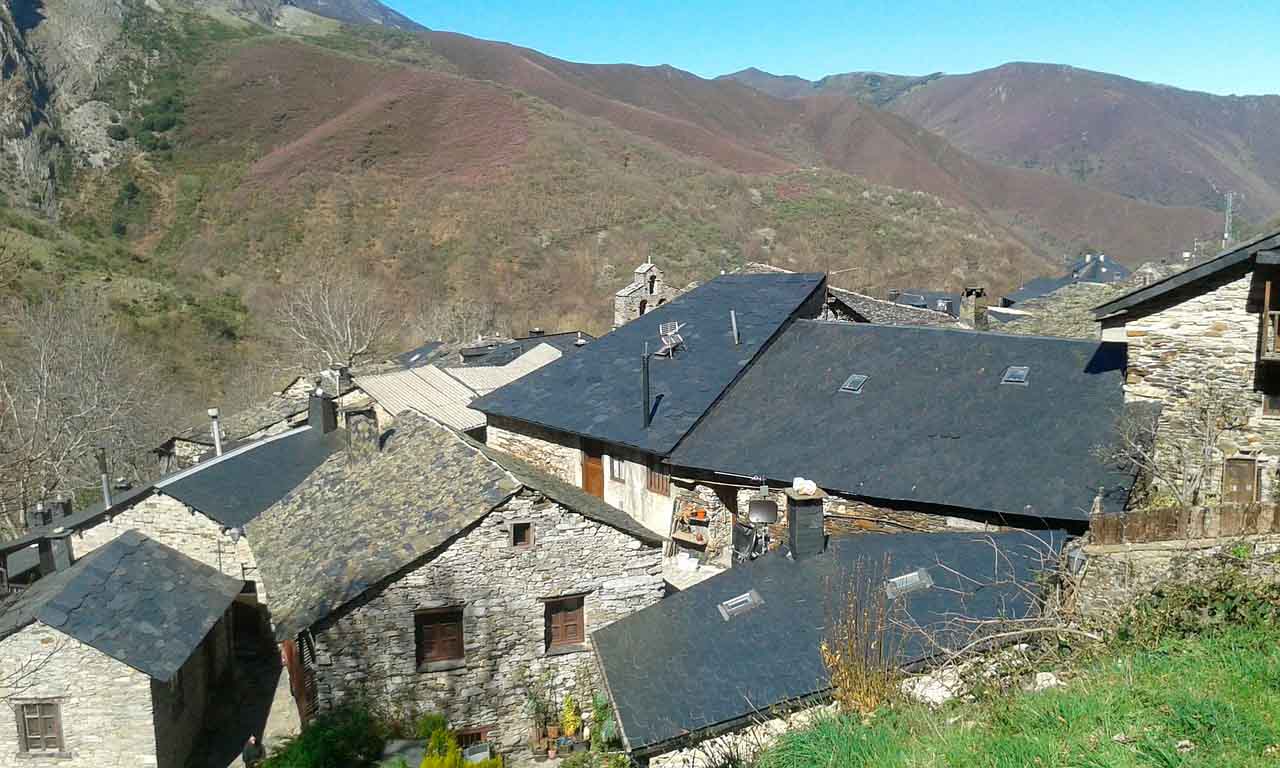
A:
{"points": [[1226, 229]]}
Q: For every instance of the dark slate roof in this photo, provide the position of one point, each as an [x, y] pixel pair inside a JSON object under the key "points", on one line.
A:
{"points": [[930, 299], [384, 513], [596, 393], [1067, 312], [570, 496], [678, 668], [90, 514], [1086, 271], [1223, 266], [245, 422], [933, 423], [236, 487], [419, 355], [134, 599], [501, 353]]}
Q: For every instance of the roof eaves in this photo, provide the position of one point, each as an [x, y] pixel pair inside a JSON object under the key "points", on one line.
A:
{"points": [[1222, 261]]}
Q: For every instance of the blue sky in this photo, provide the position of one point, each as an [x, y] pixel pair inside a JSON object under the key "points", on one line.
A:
{"points": [[1230, 46]]}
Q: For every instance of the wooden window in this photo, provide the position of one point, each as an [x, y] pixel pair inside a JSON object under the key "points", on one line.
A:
{"points": [[1271, 404], [565, 622], [1240, 480], [439, 635], [469, 737], [40, 726], [617, 469], [522, 534], [658, 479]]}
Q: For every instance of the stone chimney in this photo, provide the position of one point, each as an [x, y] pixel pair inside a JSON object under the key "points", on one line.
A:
{"points": [[973, 307], [893, 294], [322, 412], [363, 437], [805, 534]]}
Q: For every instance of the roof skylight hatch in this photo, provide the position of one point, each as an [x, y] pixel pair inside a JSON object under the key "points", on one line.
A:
{"points": [[1016, 374], [854, 383], [736, 606], [907, 583]]}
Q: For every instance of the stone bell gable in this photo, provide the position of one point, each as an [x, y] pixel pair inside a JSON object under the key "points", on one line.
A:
{"points": [[647, 291]]}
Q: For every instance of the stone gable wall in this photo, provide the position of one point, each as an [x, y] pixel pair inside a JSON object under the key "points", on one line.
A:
{"points": [[106, 705], [1174, 352], [174, 524], [368, 647], [179, 720], [556, 453]]}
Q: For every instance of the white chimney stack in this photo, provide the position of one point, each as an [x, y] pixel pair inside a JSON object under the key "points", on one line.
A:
{"points": [[216, 430]]}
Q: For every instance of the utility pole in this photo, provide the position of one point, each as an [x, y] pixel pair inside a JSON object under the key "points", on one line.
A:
{"points": [[1226, 229]]}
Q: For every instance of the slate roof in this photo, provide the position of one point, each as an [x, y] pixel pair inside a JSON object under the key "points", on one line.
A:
{"points": [[381, 514], [930, 299], [677, 667], [933, 424], [246, 421], [501, 353], [419, 355], [867, 309], [1225, 266], [134, 599], [235, 487], [596, 393], [1066, 312]]}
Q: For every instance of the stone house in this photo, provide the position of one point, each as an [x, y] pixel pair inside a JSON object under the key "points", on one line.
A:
{"points": [[110, 662], [648, 291], [1206, 337], [448, 576], [904, 427]]}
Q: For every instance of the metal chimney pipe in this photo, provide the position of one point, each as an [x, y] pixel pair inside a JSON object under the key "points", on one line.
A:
{"points": [[215, 431], [644, 385], [102, 472], [733, 320]]}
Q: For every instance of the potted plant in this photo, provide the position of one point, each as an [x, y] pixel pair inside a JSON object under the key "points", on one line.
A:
{"points": [[570, 718]]}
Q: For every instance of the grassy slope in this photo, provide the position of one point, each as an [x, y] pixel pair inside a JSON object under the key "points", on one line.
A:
{"points": [[1127, 710]]}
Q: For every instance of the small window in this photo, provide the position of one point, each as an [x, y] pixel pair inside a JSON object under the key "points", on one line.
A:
{"points": [[1271, 404], [564, 622], [736, 606], [853, 383], [617, 470], [659, 477], [522, 534], [908, 583], [439, 635], [1016, 374], [469, 737], [40, 726]]}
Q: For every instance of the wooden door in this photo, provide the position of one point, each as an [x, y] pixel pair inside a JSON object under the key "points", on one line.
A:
{"points": [[1240, 481], [593, 469]]}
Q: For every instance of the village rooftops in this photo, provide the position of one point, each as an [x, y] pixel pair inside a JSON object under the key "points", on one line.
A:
{"points": [[688, 667], [1228, 265], [597, 392], [133, 599], [364, 515], [937, 421]]}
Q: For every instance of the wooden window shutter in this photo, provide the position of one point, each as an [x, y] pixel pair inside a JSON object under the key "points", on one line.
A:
{"points": [[565, 624], [439, 635], [1240, 481]]}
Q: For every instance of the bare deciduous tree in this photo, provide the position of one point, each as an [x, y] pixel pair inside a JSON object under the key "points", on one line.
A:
{"points": [[70, 384], [339, 319], [1180, 465], [461, 321]]}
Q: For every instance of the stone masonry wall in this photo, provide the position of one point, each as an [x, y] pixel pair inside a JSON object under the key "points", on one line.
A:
{"points": [[179, 719], [555, 453], [369, 646], [174, 524], [1177, 351], [1115, 575], [106, 705]]}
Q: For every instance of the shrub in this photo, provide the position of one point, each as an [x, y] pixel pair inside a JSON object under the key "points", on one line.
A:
{"points": [[570, 719], [117, 132], [1225, 598], [348, 737], [442, 743], [429, 723], [860, 650]]}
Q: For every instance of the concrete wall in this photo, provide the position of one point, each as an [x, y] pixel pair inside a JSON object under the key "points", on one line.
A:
{"points": [[106, 705], [369, 646], [632, 494], [1211, 338], [174, 524]]}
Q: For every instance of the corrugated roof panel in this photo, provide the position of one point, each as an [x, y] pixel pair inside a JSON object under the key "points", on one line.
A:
{"points": [[485, 379], [428, 391]]}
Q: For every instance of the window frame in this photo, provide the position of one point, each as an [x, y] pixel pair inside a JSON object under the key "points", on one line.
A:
{"points": [[617, 470], [423, 620], [469, 737], [1255, 476], [530, 537], [657, 477], [553, 606], [1270, 413], [24, 735]]}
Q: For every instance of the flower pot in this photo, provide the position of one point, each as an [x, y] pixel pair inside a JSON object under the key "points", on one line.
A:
{"points": [[551, 753], [553, 731]]}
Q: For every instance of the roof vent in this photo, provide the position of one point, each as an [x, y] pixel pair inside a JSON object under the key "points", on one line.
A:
{"points": [[1016, 374], [907, 583], [854, 383], [736, 606]]}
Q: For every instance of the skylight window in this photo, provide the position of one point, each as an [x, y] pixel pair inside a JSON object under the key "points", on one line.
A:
{"points": [[1016, 374], [907, 583], [853, 383], [736, 606]]}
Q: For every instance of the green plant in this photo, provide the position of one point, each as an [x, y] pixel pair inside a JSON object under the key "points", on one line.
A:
{"points": [[604, 729], [539, 698], [117, 132], [441, 743], [570, 717], [348, 737], [428, 724], [1223, 599]]}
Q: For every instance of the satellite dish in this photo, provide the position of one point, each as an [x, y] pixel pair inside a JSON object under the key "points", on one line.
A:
{"points": [[762, 511]]}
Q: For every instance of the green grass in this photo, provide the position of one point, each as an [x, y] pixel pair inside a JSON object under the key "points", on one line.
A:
{"points": [[1130, 708]]}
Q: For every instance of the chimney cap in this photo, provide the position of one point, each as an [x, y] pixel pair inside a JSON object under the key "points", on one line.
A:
{"points": [[213, 413]]}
